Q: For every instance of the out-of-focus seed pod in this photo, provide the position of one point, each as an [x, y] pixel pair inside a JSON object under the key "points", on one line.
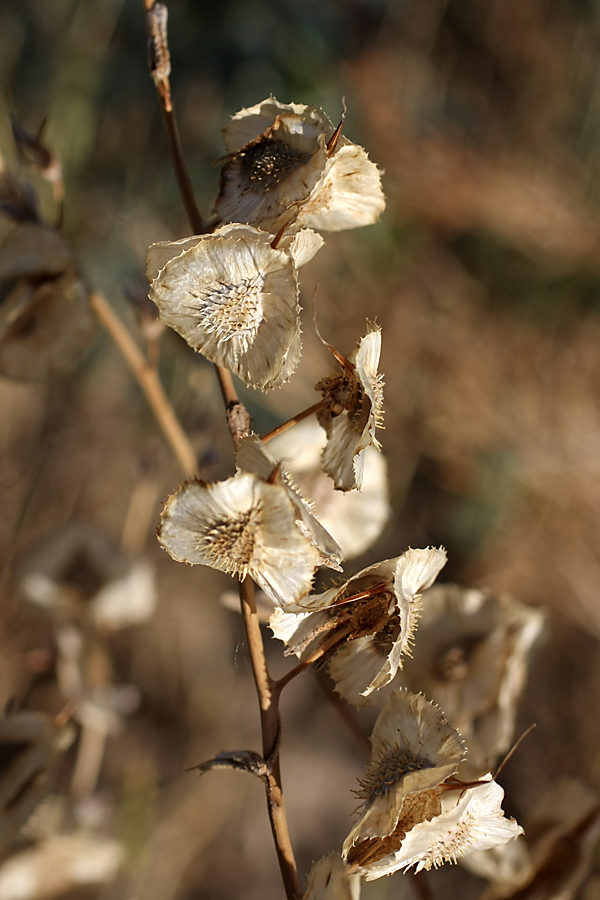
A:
{"points": [[45, 319]]}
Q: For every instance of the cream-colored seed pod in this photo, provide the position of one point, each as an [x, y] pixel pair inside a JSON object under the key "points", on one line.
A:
{"points": [[242, 526], [235, 300]]}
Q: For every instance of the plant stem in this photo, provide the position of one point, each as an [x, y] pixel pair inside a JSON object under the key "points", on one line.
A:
{"points": [[268, 699], [294, 420], [148, 380], [238, 421], [160, 68]]}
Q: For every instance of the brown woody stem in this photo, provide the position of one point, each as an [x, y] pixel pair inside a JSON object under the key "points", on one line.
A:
{"points": [[238, 422], [268, 699], [147, 378], [294, 420], [160, 67]]}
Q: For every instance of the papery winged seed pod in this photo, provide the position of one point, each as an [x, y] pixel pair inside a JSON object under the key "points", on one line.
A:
{"points": [[109, 590], [364, 626], [354, 518], [471, 659], [353, 410], [416, 813], [253, 456], [413, 750], [242, 526], [234, 298], [61, 865], [288, 165]]}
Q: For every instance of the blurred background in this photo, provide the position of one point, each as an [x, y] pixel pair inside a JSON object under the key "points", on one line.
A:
{"points": [[484, 274]]}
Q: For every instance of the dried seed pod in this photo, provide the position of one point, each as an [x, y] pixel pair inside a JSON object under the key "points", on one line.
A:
{"points": [[354, 518], [45, 319], [416, 812], [78, 575], [242, 526], [289, 166], [363, 626], [233, 298], [354, 410]]}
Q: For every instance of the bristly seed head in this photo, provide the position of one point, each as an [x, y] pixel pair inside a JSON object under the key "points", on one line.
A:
{"points": [[386, 771], [269, 161], [233, 310], [230, 543]]}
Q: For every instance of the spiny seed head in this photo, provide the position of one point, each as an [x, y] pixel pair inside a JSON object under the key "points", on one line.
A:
{"points": [[386, 771], [268, 162], [229, 544]]}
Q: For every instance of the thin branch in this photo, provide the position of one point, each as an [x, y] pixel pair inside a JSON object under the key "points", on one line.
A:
{"points": [[294, 420], [268, 699], [238, 421], [159, 62], [148, 380]]}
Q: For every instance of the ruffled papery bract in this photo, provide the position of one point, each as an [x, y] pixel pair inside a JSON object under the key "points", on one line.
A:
{"points": [[414, 750], [354, 518], [253, 456], [363, 638], [235, 300], [301, 246], [472, 659], [286, 168], [354, 411], [264, 181], [329, 879], [468, 823], [251, 122], [348, 195], [242, 526]]}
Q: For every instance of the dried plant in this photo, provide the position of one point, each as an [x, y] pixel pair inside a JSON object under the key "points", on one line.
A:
{"points": [[446, 664]]}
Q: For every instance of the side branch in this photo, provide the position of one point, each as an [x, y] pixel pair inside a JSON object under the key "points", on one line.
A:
{"points": [[147, 378], [315, 408]]}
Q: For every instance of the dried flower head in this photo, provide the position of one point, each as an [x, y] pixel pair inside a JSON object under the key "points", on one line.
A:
{"points": [[233, 298], [354, 518], [242, 526], [471, 659], [353, 411], [364, 626], [329, 880], [414, 750], [253, 456], [556, 856], [288, 164], [469, 822], [45, 319], [416, 812]]}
